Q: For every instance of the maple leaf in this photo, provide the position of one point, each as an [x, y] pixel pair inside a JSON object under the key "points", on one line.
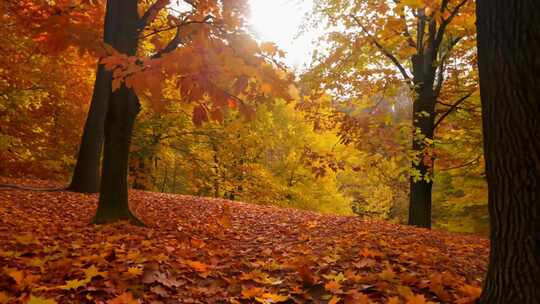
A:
{"points": [[135, 271], [73, 284], [92, 272], [333, 286]]}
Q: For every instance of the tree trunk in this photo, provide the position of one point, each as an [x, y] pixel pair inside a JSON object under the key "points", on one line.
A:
{"points": [[122, 111], [423, 128], [86, 177], [509, 65], [86, 174], [113, 199]]}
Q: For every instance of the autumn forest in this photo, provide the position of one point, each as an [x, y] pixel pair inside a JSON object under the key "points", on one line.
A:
{"points": [[265, 151]]}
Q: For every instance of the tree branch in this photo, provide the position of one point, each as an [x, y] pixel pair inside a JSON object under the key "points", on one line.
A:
{"points": [[151, 13], [384, 51], [452, 108], [446, 22], [440, 75], [472, 162], [173, 44]]}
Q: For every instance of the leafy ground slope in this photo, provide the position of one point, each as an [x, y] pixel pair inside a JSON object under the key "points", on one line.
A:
{"points": [[199, 250]]}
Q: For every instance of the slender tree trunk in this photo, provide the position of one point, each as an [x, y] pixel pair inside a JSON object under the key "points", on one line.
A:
{"points": [[86, 174], [509, 65], [164, 179], [423, 124], [122, 111], [86, 177], [174, 176]]}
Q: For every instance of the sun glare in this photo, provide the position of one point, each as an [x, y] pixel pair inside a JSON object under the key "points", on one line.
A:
{"points": [[279, 21]]}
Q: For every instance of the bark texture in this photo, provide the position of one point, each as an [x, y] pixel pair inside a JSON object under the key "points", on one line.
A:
{"points": [[86, 175], [509, 65], [424, 69], [123, 107]]}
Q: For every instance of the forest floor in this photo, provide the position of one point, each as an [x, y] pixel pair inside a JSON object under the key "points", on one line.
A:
{"points": [[202, 250]]}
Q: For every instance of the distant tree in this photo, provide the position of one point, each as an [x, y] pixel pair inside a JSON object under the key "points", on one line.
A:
{"points": [[376, 48], [509, 63]]}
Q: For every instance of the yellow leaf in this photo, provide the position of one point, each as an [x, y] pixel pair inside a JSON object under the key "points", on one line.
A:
{"points": [[334, 300], [135, 271], [74, 284], [92, 272], [37, 300]]}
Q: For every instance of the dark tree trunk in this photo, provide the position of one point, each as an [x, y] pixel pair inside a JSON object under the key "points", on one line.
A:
{"points": [[86, 174], [122, 111], [113, 199], [86, 177], [509, 65], [423, 124]]}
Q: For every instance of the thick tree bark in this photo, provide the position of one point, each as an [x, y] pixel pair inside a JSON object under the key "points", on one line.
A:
{"points": [[509, 65], [113, 199], [123, 108], [423, 125]]}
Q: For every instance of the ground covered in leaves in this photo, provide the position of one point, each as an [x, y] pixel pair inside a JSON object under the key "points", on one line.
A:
{"points": [[199, 250]]}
